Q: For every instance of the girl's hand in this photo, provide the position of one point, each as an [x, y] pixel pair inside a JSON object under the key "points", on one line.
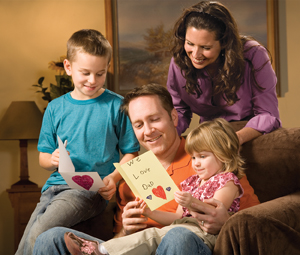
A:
{"points": [[132, 218], [145, 209], [183, 198], [110, 188]]}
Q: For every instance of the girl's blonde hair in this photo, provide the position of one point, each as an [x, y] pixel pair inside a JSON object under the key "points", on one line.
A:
{"points": [[217, 136]]}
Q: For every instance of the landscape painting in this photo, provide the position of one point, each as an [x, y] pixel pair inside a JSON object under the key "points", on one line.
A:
{"points": [[143, 31]]}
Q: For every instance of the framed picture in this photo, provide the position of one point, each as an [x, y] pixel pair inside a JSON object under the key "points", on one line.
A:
{"points": [[140, 32]]}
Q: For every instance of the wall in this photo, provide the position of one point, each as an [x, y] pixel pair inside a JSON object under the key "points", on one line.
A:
{"points": [[289, 105], [33, 33]]}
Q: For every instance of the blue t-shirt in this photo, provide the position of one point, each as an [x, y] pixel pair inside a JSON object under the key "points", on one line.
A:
{"points": [[96, 131]]}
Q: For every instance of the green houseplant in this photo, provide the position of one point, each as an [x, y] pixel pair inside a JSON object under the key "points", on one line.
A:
{"points": [[63, 84]]}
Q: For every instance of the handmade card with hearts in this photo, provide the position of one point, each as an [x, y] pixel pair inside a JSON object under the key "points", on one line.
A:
{"points": [[77, 180], [148, 179]]}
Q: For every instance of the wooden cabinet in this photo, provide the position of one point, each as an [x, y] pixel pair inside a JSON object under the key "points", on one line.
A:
{"points": [[24, 201]]}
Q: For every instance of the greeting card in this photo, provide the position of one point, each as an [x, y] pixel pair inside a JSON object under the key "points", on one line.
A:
{"points": [[77, 180], [148, 179]]}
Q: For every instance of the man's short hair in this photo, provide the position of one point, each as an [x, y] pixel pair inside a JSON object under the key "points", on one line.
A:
{"points": [[151, 89]]}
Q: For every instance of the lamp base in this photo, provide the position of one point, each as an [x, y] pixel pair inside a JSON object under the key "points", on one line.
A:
{"points": [[24, 184]]}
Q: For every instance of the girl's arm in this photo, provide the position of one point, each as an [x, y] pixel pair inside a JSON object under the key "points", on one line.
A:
{"points": [[164, 218], [185, 199], [227, 194]]}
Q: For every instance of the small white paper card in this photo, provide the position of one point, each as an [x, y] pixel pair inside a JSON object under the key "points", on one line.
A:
{"points": [[77, 180]]}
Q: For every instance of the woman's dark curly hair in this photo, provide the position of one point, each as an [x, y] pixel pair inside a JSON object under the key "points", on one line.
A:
{"points": [[213, 17]]}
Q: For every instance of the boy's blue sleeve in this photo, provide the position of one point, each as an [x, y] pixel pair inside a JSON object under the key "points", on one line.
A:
{"points": [[47, 140]]}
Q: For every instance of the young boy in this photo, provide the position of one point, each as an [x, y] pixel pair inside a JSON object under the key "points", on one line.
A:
{"points": [[89, 118]]}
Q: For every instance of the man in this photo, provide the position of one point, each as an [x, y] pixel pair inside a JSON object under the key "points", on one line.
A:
{"points": [[154, 122]]}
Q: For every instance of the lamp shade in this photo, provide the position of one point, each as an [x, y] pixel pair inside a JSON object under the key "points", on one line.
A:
{"points": [[22, 120]]}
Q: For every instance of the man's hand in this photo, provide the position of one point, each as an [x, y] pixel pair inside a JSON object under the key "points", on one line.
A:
{"points": [[132, 218], [213, 218], [110, 188]]}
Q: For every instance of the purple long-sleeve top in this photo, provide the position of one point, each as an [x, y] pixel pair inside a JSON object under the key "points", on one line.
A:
{"points": [[260, 107]]}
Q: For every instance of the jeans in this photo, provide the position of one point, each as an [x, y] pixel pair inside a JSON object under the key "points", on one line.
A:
{"points": [[148, 240], [59, 206], [52, 241], [180, 241], [177, 241]]}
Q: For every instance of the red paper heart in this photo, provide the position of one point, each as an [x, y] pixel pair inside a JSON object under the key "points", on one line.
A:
{"points": [[159, 192], [84, 181]]}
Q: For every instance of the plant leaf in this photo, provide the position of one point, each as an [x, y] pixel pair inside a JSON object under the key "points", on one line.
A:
{"points": [[40, 81]]}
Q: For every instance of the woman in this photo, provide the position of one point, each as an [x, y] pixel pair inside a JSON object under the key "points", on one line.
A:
{"points": [[215, 72]]}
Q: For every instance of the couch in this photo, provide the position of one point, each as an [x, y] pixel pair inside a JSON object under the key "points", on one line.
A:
{"points": [[273, 227]]}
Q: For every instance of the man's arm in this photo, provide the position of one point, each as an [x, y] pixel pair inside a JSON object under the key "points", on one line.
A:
{"points": [[214, 217]]}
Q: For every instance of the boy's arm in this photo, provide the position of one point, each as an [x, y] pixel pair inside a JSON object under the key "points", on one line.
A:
{"points": [[112, 179], [116, 175], [49, 161]]}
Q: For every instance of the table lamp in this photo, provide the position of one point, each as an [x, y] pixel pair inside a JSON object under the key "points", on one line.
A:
{"points": [[22, 121]]}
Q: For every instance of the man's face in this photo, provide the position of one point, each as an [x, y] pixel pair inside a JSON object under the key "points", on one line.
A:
{"points": [[153, 126]]}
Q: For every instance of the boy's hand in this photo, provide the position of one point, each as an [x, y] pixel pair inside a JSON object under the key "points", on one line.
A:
{"points": [[54, 160], [110, 188], [183, 198]]}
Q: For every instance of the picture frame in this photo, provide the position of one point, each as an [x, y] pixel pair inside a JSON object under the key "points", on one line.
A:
{"points": [[121, 80]]}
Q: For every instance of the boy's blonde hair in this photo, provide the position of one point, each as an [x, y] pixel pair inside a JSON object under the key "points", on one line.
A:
{"points": [[217, 136], [88, 41]]}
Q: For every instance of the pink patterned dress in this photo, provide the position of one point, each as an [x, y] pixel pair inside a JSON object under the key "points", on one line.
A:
{"points": [[208, 189]]}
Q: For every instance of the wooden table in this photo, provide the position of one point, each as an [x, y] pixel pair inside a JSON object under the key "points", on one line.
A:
{"points": [[24, 201]]}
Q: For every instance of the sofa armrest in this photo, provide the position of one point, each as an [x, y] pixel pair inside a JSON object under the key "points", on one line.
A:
{"points": [[272, 227], [272, 162]]}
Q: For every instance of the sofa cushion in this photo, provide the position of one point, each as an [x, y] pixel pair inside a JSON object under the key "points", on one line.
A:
{"points": [[269, 228], [273, 163]]}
